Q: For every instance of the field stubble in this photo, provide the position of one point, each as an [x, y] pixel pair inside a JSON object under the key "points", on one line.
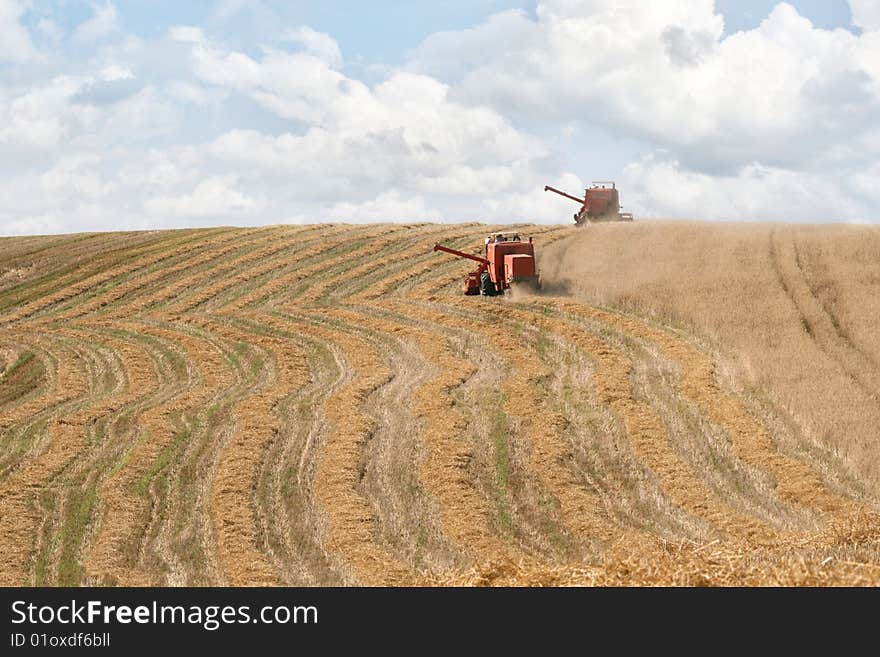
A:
{"points": [[320, 405]]}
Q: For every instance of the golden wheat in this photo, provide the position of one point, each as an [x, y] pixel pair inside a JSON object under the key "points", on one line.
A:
{"points": [[685, 404]]}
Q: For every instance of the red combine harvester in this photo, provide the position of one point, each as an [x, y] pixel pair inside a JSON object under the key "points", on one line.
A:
{"points": [[601, 202], [509, 262]]}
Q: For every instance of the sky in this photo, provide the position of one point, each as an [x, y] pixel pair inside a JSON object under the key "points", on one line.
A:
{"points": [[144, 114]]}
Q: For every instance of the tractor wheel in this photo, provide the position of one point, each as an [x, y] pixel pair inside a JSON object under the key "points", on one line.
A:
{"points": [[487, 288]]}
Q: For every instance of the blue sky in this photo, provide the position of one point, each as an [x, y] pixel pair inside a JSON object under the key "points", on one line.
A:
{"points": [[379, 31], [138, 114], [748, 14]]}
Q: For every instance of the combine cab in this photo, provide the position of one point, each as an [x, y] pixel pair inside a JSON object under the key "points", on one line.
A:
{"points": [[601, 202], [509, 262]]}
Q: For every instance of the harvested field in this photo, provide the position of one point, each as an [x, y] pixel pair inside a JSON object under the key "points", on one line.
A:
{"points": [[685, 404]]}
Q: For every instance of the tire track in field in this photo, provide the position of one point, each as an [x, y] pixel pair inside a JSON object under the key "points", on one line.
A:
{"points": [[57, 270], [74, 281], [81, 380], [321, 265], [157, 473], [373, 260], [16, 250], [288, 516], [253, 271], [233, 274], [304, 266], [795, 482], [439, 457], [151, 254], [821, 325], [292, 286], [154, 301], [181, 537], [22, 269], [24, 423], [681, 480], [72, 503], [402, 264], [34, 417], [518, 426], [348, 266], [449, 373], [348, 530], [201, 289], [205, 252], [242, 548], [204, 269], [371, 247], [128, 495], [860, 365], [394, 518], [647, 432], [616, 557], [23, 379], [582, 513]]}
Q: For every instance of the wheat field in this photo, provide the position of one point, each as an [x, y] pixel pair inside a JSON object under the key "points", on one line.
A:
{"points": [[683, 404]]}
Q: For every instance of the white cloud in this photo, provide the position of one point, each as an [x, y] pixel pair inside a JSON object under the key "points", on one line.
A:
{"points": [[405, 131], [866, 14], [104, 21], [319, 44], [660, 71], [67, 112], [50, 30], [215, 197], [161, 172], [138, 118], [662, 188], [73, 178], [531, 203], [779, 122], [452, 55], [187, 34], [190, 93], [388, 206], [116, 72], [225, 9], [15, 41], [398, 150], [867, 183], [41, 117], [791, 97]]}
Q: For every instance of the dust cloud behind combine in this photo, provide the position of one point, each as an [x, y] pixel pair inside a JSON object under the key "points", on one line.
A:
{"points": [[320, 405]]}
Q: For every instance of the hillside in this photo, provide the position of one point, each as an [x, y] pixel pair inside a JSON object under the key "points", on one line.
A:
{"points": [[314, 405]]}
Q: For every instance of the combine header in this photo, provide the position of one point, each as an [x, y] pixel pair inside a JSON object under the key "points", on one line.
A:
{"points": [[509, 262], [601, 202]]}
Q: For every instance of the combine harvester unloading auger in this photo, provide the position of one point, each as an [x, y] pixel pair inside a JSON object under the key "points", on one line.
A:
{"points": [[509, 264], [601, 202]]}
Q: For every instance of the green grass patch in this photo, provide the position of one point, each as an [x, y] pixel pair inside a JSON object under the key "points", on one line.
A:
{"points": [[23, 359], [238, 352], [21, 378], [15, 446], [81, 506], [502, 471], [142, 486], [542, 344]]}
